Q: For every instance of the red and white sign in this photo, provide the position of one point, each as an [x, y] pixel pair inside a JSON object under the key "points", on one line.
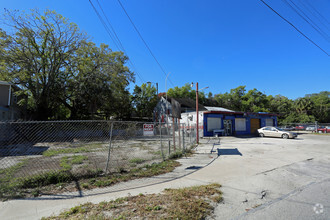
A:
{"points": [[148, 129]]}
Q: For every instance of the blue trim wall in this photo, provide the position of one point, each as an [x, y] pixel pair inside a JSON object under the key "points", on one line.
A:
{"points": [[210, 133], [232, 117]]}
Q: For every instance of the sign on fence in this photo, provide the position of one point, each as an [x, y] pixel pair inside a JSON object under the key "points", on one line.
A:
{"points": [[148, 129]]}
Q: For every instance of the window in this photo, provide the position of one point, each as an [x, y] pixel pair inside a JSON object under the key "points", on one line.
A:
{"points": [[213, 124], [269, 122], [240, 124]]}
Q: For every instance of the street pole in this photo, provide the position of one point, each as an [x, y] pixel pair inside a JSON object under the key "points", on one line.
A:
{"points": [[166, 107], [197, 132], [166, 85], [157, 88]]}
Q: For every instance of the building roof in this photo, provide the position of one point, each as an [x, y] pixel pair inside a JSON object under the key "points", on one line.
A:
{"points": [[188, 103], [5, 83], [240, 113], [211, 108]]}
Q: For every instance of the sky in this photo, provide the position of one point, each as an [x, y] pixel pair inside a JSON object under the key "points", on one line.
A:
{"points": [[221, 44]]}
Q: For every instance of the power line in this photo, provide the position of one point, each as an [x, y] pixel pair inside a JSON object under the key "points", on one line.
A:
{"points": [[104, 24], [145, 43], [113, 30], [311, 23], [315, 15], [294, 27], [326, 20], [119, 42], [114, 37]]}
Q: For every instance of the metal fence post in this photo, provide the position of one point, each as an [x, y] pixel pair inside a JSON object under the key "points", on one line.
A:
{"points": [[190, 137], [169, 148], [161, 140], [315, 127], [179, 132], [108, 160], [173, 121], [183, 145]]}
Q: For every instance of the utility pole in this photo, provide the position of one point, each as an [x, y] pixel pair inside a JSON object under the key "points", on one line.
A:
{"points": [[197, 114], [157, 88]]}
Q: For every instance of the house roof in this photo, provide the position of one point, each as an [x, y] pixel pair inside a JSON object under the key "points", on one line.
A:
{"points": [[188, 103], [240, 113], [211, 108], [4, 83]]}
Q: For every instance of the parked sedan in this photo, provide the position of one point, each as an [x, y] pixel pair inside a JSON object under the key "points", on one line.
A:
{"points": [[324, 129], [287, 128], [275, 132], [311, 128], [299, 127]]}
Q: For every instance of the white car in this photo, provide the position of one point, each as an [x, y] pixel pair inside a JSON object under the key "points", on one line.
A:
{"points": [[275, 132], [311, 128]]}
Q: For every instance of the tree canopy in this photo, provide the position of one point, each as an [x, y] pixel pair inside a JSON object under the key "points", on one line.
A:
{"points": [[312, 107], [144, 100], [59, 71]]}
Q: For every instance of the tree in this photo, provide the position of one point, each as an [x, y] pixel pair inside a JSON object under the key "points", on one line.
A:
{"points": [[60, 71], [254, 101], [232, 100], [186, 91], [98, 83], [321, 109], [144, 100], [36, 57], [303, 105]]}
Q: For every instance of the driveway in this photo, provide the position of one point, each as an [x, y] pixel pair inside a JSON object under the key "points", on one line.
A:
{"points": [[262, 178], [273, 179]]}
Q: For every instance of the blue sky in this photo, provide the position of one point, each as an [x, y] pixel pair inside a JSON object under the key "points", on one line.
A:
{"points": [[220, 44]]}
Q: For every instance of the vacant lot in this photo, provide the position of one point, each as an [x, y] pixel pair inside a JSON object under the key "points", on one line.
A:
{"points": [[32, 169]]}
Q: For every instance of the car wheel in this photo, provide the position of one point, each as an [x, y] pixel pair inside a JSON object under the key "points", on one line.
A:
{"points": [[285, 136], [261, 135]]}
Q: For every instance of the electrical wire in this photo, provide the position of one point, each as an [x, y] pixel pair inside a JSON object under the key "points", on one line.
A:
{"points": [[312, 13], [310, 22], [326, 20], [145, 43], [104, 25], [119, 42], [294, 27], [113, 30], [113, 35]]}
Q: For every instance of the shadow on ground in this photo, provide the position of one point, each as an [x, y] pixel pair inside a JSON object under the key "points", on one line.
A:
{"points": [[232, 151], [22, 150]]}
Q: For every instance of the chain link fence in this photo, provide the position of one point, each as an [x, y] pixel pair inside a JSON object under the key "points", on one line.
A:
{"points": [[41, 156], [313, 127]]}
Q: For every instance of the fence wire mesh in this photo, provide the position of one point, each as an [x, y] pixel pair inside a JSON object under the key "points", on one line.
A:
{"points": [[39, 157], [313, 127]]}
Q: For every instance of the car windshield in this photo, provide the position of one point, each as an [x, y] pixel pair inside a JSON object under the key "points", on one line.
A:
{"points": [[280, 129]]}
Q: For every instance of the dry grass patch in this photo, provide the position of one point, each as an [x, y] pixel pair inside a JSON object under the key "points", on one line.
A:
{"points": [[64, 180], [187, 203]]}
